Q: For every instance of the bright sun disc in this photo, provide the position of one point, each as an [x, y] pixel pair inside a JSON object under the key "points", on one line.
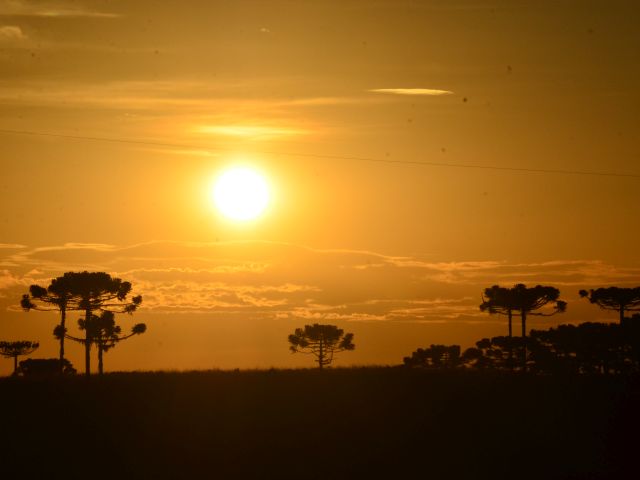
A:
{"points": [[241, 194]]}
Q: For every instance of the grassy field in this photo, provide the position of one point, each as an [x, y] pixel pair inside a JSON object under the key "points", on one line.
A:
{"points": [[340, 423]]}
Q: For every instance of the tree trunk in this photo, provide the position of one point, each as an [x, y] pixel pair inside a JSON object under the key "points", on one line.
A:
{"points": [[621, 314], [510, 313], [524, 340], [100, 368], [87, 344], [15, 364], [63, 318], [321, 354]]}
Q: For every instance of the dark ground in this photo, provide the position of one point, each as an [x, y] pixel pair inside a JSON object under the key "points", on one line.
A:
{"points": [[342, 423]]}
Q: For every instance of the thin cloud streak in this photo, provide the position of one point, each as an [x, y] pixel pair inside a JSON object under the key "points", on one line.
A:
{"points": [[412, 91], [256, 132], [49, 9], [12, 246]]}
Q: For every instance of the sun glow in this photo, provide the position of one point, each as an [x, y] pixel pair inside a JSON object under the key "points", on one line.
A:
{"points": [[241, 194]]}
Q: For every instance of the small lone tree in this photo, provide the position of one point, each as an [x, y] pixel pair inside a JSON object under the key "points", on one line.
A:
{"points": [[103, 332], [322, 341], [17, 349], [621, 300]]}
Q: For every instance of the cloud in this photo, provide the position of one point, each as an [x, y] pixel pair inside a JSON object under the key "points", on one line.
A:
{"points": [[201, 112], [52, 9], [12, 246], [255, 132], [412, 91], [11, 33], [271, 280]]}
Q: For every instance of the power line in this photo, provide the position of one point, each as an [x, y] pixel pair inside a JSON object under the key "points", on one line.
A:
{"points": [[331, 157]]}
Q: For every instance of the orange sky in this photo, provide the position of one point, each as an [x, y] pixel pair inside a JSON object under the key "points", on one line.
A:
{"points": [[396, 253]]}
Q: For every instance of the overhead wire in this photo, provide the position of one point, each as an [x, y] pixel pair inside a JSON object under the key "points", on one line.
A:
{"points": [[325, 156]]}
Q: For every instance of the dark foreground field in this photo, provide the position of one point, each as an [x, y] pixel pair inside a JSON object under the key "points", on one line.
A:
{"points": [[344, 423]]}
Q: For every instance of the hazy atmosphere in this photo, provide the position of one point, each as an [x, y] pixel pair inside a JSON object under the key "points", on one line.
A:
{"points": [[414, 153]]}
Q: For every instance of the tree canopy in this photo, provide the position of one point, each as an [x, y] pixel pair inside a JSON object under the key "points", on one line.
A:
{"points": [[621, 300], [322, 341], [436, 356], [497, 300], [17, 349]]}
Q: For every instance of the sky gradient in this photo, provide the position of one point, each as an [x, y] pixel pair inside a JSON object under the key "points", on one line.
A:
{"points": [[318, 96]]}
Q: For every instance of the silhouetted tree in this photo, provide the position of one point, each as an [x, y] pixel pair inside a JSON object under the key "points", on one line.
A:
{"points": [[494, 353], [17, 349], [631, 334], [436, 356], [587, 348], [98, 291], [474, 357], [55, 297], [322, 341], [44, 367], [103, 332], [621, 300], [501, 301], [529, 300]]}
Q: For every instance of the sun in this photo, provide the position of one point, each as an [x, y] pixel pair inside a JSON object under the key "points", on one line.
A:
{"points": [[241, 194]]}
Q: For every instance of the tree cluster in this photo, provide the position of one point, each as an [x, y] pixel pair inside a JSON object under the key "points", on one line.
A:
{"points": [[436, 356], [97, 295], [587, 348]]}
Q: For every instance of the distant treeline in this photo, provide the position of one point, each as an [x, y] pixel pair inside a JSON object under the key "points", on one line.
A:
{"points": [[588, 348]]}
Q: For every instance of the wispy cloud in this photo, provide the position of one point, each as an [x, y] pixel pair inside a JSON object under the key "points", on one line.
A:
{"points": [[11, 33], [255, 132], [12, 246], [412, 91], [51, 9], [201, 107]]}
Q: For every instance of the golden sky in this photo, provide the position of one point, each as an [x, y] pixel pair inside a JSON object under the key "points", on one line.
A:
{"points": [[308, 93]]}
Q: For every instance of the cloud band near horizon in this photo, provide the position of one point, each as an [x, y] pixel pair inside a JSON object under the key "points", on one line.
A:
{"points": [[280, 280]]}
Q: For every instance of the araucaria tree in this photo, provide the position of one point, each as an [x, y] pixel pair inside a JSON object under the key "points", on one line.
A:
{"points": [[98, 292], [17, 349], [103, 333], [621, 300], [322, 341], [499, 300], [529, 300], [56, 296]]}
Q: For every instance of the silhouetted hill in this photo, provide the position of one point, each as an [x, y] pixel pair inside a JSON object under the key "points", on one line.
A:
{"points": [[340, 423]]}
